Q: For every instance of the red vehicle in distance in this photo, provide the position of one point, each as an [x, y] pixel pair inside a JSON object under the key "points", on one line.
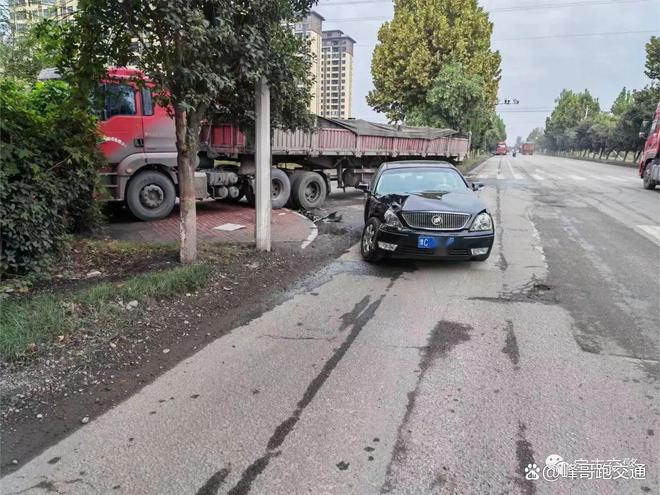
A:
{"points": [[649, 160], [501, 148], [527, 149]]}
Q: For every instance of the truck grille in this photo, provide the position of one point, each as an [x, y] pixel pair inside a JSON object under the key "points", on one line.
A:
{"points": [[431, 220]]}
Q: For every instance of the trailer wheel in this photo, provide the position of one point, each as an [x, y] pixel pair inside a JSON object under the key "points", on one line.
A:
{"points": [[150, 195], [309, 190], [280, 188]]}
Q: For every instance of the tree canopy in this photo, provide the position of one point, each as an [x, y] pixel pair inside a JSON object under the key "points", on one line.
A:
{"points": [[423, 37]]}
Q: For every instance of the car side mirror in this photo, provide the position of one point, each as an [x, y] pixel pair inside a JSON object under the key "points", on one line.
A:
{"points": [[363, 187], [476, 186]]}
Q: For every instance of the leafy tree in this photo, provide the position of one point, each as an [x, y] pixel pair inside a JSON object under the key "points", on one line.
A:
{"points": [[622, 102], [455, 100], [23, 57], [205, 58], [535, 136], [423, 37], [495, 133], [653, 59], [570, 109]]}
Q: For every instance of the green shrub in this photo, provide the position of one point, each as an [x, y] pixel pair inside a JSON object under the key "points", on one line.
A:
{"points": [[48, 172]]}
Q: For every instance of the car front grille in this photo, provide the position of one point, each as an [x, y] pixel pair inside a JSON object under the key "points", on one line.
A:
{"points": [[429, 220]]}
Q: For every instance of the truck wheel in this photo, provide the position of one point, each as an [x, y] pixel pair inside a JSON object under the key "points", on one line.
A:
{"points": [[280, 188], [649, 183], [369, 241], [308, 190], [150, 195]]}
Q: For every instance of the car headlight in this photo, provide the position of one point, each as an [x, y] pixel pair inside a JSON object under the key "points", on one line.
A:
{"points": [[392, 220], [482, 222]]}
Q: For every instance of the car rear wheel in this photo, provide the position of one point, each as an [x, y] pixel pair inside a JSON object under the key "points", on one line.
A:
{"points": [[369, 241]]}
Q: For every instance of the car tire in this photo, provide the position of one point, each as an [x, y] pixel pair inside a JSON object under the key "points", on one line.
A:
{"points": [[308, 190], [369, 241], [150, 195], [649, 183]]}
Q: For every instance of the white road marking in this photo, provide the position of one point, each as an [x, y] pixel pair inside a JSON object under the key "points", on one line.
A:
{"points": [[313, 231], [577, 177], [538, 177], [652, 230], [515, 175], [500, 177], [620, 179], [482, 176]]}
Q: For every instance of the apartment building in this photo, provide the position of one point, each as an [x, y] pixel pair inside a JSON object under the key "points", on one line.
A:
{"points": [[337, 75], [311, 28], [25, 13]]}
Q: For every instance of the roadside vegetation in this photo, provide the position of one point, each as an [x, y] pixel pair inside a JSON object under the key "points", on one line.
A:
{"points": [[578, 127]]}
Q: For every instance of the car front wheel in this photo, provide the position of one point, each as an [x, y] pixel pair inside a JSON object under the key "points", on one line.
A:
{"points": [[369, 241]]}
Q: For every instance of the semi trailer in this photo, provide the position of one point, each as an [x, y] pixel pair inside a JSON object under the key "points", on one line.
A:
{"points": [[138, 141]]}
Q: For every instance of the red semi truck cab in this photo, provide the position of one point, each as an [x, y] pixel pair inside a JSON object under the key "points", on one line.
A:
{"points": [[528, 148], [649, 160], [501, 148]]}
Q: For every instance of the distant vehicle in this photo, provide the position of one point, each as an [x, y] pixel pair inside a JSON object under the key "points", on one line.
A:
{"points": [[139, 144], [425, 210], [513, 153], [649, 161], [501, 148], [527, 149]]}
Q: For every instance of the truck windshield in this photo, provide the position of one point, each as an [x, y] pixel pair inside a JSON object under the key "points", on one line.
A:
{"points": [[418, 180], [115, 99]]}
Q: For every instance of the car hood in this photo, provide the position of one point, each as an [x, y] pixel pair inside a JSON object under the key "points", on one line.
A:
{"points": [[464, 202]]}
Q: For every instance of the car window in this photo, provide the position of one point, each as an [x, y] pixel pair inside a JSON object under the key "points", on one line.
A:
{"points": [[410, 181]]}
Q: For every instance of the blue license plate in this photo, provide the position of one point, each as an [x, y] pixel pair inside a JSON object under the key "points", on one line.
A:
{"points": [[425, 242]]}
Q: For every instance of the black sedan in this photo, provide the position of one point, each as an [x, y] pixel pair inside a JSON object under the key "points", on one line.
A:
{"points": [[425, 210]]}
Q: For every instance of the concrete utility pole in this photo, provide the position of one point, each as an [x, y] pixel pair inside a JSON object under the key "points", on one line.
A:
{"points": [[262, 158]]}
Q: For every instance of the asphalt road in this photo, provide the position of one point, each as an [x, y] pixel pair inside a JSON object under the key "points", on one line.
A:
{"points": [[417, 378]]}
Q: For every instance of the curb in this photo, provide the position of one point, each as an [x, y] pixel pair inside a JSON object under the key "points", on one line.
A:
{"points": [[313, 231]]}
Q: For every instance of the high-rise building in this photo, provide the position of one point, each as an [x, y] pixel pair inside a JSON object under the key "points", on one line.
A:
{"points": [[311, 28], [337, 75], [23, 14]]}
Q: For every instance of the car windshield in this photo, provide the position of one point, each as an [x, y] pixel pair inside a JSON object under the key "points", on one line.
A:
{"points": [[419, 180]]}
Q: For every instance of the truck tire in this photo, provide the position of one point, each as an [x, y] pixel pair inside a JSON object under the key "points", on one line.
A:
{"points": [[309, 190], [649, 183], [150, 195], [280, 189]]}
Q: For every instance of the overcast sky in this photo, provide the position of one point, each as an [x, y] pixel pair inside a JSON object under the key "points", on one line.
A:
{"points": [[544, 47]]}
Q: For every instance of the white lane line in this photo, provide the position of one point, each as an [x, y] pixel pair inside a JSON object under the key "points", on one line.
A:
{"points": [[515, 175], [538, 177], [620, 179], [500, 177], [576, 177], [313, 231], [652, 230], [482, 176]]}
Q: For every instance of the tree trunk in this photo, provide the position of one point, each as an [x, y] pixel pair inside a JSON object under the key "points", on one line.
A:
{"points": [[186, 174]]}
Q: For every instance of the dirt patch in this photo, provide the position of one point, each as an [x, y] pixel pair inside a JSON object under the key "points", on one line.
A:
{"points": [[51, 396]]}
